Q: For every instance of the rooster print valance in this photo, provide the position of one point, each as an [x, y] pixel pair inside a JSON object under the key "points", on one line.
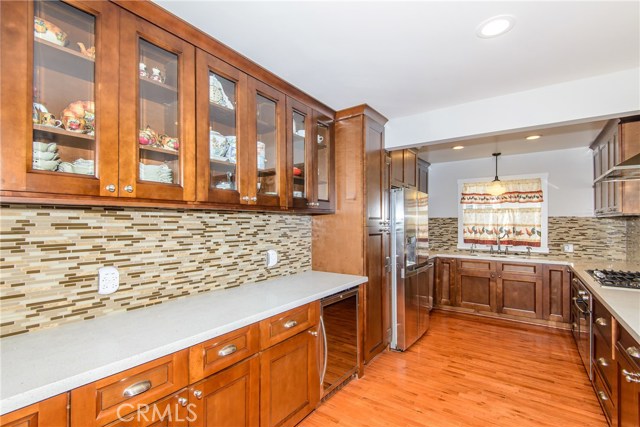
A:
{"points": [[515, 217]]}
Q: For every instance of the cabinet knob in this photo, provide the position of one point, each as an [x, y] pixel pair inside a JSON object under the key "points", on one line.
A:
{"points": [[110, 188], [128, 188], [245, 198], [182, 401], [633, 352], [314, 333], [603, 362], [254, 199], [603, 395], [197, 394], [601, 321]]}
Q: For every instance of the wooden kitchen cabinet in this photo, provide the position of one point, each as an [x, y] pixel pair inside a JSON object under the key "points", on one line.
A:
{"points": [[310, 158], [230, 398], [423, 176], [289, 380], [52, 412], [556, 282], [404, 168], [627, 355], [519, 289], [446, 275], [361, 220], [157, 113], [172, 411], [476, 285], [41, 75], [221, 96], [103, 401], [618, 141]]}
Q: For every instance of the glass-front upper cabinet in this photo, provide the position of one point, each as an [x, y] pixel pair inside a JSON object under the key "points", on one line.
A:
{"points": [[300, 165], [71, 143], [268, 154], [324, 186], [157, 113], [220, 94]]}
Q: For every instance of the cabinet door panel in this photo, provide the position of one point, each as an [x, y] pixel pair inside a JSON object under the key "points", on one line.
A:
{"points": [[477, 290], [300, 155], [67, 145], [628, 391], [519, 295], [289, 381], [446, 281], [324, 162], [167, 412], [220, 98], [375, 164], [375, 291], [157, 113], [229, 398], [555, 293], [51, 412], [410, 168]]}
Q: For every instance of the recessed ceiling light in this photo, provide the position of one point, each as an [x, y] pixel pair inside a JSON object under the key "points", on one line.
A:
{"points": [[495, 26], [458, 147], [532, 137]]}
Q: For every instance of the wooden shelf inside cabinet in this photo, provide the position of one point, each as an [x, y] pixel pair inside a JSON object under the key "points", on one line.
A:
{"points": [[157, 92], [222, 163], [266, 172], [322, 146], [58, 135], [264, 127], [222, 114], [64, 60], [160, 150]]}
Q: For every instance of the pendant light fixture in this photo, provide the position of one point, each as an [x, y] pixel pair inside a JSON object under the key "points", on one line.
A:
{"points": [[496, 188]]}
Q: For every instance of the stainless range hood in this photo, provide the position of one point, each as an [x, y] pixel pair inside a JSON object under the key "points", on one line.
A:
{"points": [[629, 170]]}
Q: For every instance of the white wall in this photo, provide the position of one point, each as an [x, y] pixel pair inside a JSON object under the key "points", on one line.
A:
{"points": [[570, 180], [579, 101]]}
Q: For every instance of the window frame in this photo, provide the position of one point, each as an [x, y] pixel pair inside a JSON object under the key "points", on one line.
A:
{"points": [[544, 238]]}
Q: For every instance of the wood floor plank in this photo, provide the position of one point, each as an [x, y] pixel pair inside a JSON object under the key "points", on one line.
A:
{"points": [[470, 371]]}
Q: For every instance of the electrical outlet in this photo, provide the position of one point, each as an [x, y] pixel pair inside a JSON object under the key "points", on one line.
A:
{"points": [[568, 247], [108, 280], [271, 258]]}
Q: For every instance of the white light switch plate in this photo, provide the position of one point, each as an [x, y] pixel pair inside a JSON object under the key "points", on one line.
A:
{"points": [[108, 280], [568, 247], [271, 258]]}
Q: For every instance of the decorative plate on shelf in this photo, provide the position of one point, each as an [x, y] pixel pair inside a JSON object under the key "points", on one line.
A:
{"points": [[45, 30]]}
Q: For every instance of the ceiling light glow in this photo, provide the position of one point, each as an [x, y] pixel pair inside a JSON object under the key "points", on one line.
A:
{"points": [[495, 26], [458, 147], [532, 137]]}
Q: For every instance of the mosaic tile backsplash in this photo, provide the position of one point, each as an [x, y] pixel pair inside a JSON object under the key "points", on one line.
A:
{"points": [[49, 258], [613, 239]]}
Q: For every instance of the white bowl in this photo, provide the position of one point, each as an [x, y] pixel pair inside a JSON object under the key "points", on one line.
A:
{"points": [[45, 155], [45, 165], [45, 146]]}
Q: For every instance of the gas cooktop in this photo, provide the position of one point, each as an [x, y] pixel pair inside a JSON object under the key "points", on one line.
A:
{"points": [[617, 279]]}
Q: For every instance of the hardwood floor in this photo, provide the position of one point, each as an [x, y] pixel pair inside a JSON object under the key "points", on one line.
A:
{"points": [[470, 371]]}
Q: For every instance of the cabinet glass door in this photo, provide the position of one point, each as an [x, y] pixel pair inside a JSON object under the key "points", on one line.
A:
{"points": [[266, 147], [158, 115], [300, 166], [323, 148], [63, 90], [222, 133]]}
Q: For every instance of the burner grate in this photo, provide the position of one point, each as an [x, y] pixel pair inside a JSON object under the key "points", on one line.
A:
{"points": [[617, 279]]}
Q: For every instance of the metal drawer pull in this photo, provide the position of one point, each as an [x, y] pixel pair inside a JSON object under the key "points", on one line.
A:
{"points": [[631, 379], [137, 388], [182, 401], [227, 350], [603, 362], [601, 321], [633, 352], [314, 333], [630, 374], [603, 395], [290, 324]]}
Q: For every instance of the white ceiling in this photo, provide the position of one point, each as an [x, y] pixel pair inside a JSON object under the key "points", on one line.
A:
{"points": [[556, 138], [409, 57]]}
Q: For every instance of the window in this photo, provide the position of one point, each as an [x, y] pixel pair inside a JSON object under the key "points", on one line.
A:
{"points": [[517, 217]]}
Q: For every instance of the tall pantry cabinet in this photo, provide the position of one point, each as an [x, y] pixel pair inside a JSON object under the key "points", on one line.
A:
{"points": [[356, 239]]}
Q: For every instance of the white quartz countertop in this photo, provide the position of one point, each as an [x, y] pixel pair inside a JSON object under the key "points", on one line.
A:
{"points": [[624, 304], [44, 363]]}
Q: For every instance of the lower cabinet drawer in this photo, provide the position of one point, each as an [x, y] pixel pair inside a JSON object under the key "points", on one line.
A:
{"points": [[52, 412], [604, 397], [171, 411], [101, 402], [285, 325], [604, 363], [216, 354]]}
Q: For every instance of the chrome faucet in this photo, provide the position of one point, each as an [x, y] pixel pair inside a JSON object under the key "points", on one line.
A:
{"points": [[473, 247], [529, 250], [498, 241]]}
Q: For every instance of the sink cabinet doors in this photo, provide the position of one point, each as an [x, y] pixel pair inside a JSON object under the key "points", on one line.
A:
{"points": [[60, 101], [157, 113]]}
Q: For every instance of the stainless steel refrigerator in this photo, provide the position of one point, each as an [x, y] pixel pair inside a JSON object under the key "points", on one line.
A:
{"points": [[412, 272]]}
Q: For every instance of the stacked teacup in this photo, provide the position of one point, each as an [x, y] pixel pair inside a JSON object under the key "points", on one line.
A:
{"points": [[45, 156]]}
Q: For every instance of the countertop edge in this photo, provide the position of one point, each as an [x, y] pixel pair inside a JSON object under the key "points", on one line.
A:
{"points": [[40, 392]]}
